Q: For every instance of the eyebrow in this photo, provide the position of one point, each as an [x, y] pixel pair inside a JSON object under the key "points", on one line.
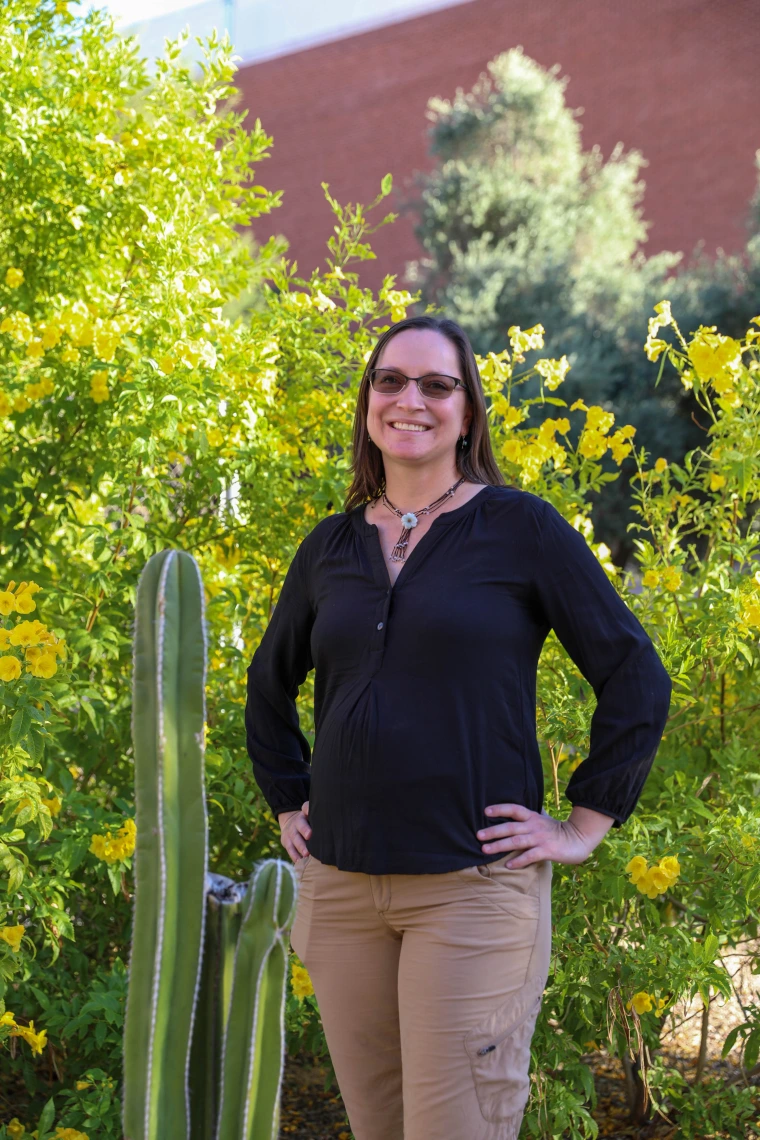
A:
{"points": [[432, 372]]}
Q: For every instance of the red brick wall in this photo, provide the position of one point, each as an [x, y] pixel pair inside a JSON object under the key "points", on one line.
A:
{"points": [[677, 79]]}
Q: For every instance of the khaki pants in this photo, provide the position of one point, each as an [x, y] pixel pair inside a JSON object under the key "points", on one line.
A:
{"points": [[429, 987]]}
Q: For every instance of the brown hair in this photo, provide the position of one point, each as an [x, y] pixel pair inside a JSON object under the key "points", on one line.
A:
{"points": [[476, 461]]}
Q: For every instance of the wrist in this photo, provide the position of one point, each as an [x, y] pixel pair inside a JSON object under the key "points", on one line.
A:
{"points": [[591, 826]]}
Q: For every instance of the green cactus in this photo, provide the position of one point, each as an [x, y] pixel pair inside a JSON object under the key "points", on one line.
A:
{"points": [[204, 1042], [170, 854], [224, 911], [254, 1043]]}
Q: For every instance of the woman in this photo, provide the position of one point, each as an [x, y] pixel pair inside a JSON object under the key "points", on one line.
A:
{"points": [[422, 848]]}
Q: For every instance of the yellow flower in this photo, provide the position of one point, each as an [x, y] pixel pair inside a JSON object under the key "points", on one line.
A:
{"points": [[300, 981], [70, 1133], [523, 341], [713, 356], [659, 879], [44, 665], [671, 866], [80, 1085], [597, 419], [654, 347], [27, 633], [105, 341], [671, 578], [661, 1004], [51, 334], [553, 371], [70, 355], [618, 446], [578, 405], [15, 1129], [37, 1041], [12, 935], [650, 578], [636, 868], [7, 602], [10, 668], [13, 278], [398, 299], [7, 1018], [19, 326], [53, 805], [166, 363], [717, 481], [642, 1002], [592, 444], [112, 849], [24, 600], [660, 465], [35, 349]]}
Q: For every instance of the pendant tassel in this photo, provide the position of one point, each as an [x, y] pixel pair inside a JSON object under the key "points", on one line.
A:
{"points": [[398, 552]]}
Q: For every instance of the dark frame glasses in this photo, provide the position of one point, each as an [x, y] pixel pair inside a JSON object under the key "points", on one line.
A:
{"points": [[443, 392]]}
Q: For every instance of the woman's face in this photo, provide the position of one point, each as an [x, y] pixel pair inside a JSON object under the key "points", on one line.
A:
{"points": [[416, 352]]}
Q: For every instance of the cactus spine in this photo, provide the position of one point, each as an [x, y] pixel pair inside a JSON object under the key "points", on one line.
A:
{"points": [[204, 1041]]}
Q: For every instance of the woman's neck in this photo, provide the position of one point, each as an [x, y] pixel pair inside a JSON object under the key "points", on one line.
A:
{"points": [[411, 489]]}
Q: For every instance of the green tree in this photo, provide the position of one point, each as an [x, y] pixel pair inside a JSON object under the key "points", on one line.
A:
{"points": [[522, 226]]}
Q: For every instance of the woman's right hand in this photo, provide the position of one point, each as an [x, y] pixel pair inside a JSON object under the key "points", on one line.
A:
{"points": [[294, 831]]}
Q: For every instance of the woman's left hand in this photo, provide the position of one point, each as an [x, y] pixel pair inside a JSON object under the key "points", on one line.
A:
{"points": [[536, 835]]}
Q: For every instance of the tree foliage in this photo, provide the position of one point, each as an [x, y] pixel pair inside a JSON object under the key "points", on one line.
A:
{"points": [[521, 225]]}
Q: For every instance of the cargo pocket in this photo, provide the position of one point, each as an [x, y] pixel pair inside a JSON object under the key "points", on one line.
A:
{"points": [[499, 1052]]}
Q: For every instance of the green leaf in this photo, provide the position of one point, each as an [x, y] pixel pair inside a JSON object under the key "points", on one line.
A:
{"points": [[114, 874], [47, 1117], [730, 1041], [20, 724], [751, 1050]]}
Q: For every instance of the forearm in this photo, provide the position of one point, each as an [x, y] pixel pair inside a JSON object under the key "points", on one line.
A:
{"points": [[591, 825]]}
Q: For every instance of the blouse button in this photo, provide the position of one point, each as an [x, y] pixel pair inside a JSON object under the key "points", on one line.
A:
{"points": [[379, 625]]}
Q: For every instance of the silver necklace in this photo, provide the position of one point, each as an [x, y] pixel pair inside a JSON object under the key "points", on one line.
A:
{"points": [[409, 520]]}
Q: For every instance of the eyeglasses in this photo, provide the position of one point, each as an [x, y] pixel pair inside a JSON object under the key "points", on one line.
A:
{"points": [[433, 385]]}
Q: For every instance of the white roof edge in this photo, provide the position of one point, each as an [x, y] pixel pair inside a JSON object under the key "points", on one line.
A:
{"points": [[261, 29]]}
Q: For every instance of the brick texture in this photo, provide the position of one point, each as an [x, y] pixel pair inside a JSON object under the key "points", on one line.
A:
{"points": [[678, 80]]}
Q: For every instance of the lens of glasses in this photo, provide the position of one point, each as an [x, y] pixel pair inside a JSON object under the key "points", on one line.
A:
{"points": [[434, 387]]}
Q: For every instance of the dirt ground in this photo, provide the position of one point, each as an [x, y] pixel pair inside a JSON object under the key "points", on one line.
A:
{"points": [[310, 1113]]}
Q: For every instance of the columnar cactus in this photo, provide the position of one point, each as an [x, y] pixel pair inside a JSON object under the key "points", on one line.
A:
{"points": [[224, 911], [253, 1056], [205, 1005]]}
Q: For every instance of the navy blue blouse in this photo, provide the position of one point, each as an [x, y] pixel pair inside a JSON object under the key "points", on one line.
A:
{"points": [[425, 690]]}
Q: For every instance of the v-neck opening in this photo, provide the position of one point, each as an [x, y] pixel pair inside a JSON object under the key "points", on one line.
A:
{"points": [[372, 529]]}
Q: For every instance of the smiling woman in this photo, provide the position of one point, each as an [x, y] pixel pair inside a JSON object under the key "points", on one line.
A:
{"points": [[426, 932]]}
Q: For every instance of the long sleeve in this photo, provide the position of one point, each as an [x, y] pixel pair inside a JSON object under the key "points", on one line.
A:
{"points": [[616, 656], [279, 751]]}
